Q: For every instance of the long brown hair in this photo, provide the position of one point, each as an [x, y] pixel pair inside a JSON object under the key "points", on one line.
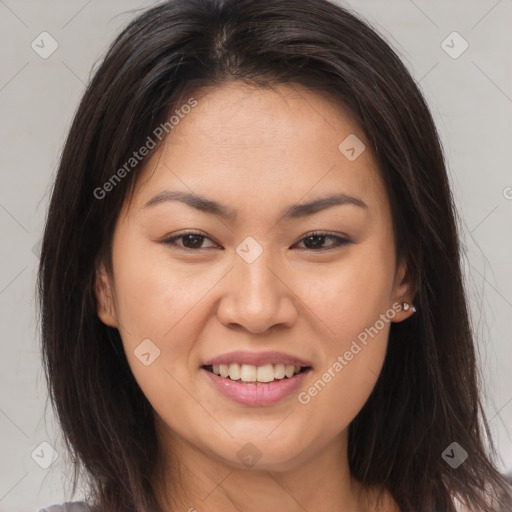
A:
{"points": [[427, 395]]}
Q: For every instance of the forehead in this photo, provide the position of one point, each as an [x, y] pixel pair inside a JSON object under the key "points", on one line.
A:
{"points": [[275, 145]]}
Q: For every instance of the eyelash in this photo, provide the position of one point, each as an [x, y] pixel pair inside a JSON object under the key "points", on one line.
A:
{"points": [[338, 241]]}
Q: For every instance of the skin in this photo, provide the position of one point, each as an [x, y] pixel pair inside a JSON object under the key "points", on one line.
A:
{"points": [[256, 150]]}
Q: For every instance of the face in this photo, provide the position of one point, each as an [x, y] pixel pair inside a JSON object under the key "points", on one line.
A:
{"points": [[252, 284]]}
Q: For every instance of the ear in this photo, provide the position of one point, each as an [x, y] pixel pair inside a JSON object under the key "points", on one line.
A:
{"points": [[404, 291], [104, 297]]}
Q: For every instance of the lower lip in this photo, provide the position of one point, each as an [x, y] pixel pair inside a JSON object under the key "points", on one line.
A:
{"points": [[256, 394]]}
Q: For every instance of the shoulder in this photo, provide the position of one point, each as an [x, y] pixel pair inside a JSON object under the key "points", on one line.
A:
{"points": [[71, 506]]}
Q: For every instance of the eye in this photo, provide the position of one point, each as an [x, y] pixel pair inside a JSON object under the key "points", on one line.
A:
{"points": [[191, 240], [314, 241]]}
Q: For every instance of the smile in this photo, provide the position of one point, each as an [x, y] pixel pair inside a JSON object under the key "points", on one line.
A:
{"points": [[247, 373], [256, 378]]}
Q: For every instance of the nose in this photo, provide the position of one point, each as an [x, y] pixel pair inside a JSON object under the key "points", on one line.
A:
{"points": [[259, 296]]}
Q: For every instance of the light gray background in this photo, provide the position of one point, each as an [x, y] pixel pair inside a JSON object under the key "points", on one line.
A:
{"points": [[471, 100]]}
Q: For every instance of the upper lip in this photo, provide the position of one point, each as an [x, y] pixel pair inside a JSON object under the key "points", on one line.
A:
{"points": [[257, 359]]}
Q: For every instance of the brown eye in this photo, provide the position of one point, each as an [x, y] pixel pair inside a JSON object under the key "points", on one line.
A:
{"points": [[316, 241], [190, 241]]}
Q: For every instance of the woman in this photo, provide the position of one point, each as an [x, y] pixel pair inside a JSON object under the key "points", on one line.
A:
{"points": [[250, 280]]}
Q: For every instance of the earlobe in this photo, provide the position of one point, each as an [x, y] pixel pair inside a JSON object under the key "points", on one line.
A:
{"points": [[403, 310], [406, 306], [103, 292], [404, 292]]}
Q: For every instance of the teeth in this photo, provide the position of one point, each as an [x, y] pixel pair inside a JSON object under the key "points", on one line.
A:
{"points": [[247, 373], [289, 370], [234, 371], [279, 371], [265, 373], [251, 373]]}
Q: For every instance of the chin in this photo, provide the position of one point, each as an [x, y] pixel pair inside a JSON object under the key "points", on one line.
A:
{"points": [[264, 454]]}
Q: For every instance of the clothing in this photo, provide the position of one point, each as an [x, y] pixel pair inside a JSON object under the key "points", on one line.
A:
{"points": [[69, 506]]}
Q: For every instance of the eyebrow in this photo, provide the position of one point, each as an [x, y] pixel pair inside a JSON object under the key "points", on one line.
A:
{"points": [[295, 211]]}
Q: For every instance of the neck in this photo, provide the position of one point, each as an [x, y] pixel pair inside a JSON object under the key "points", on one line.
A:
{"points": [[202, 481]]}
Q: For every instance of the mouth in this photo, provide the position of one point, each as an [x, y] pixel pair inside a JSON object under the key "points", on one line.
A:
{"points": [[256, 379], [252, 374]]}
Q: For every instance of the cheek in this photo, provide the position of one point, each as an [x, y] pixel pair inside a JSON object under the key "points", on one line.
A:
{"points": [[158, 300], [349, 296], [354, 314], [156, 295], [343, 384]]}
